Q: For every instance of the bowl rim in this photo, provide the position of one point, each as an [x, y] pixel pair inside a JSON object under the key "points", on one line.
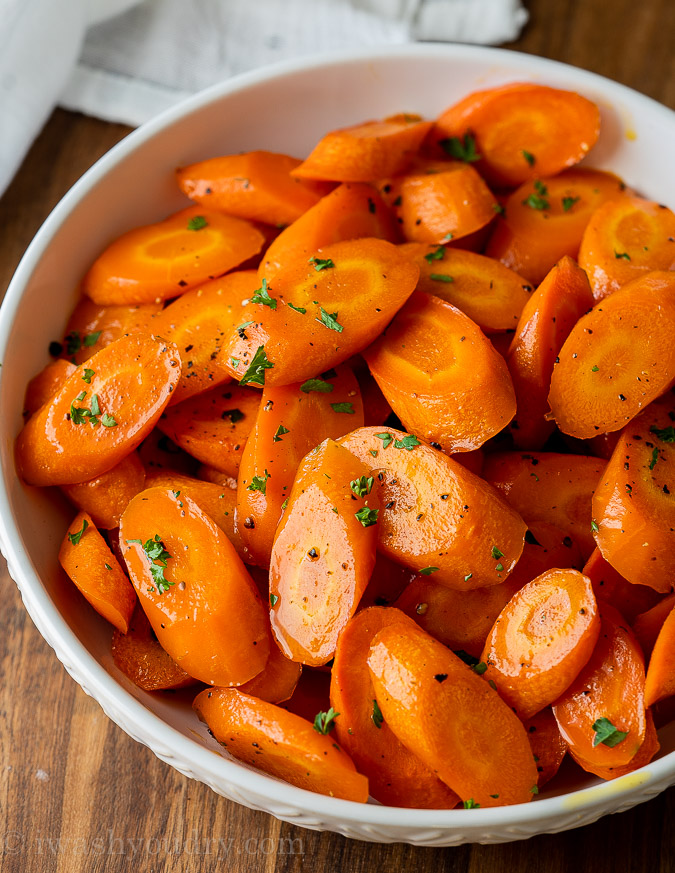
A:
{"points": [[118, 703]]}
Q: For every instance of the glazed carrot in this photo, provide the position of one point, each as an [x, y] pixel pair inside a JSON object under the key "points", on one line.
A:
{"points": [[542, 639], [105, 497], [545, 323], [617, 358], [289, 423], [386, 582], [633, 509], [660, 681], [449, 718], [441, 375], [96, 420], [395, 776], [519, 131], [210, 474], [488, 292], [319, 311], [162, 260], [545, 220], [323, 553], [611, 587], [435, 513], [254, 185], [142, 660], [351, 211], [625, 239], [648, 624], [43, 386], [213, 426], [90, 564], [365, 152], [643, 756], [548, 747], [547, 486], [277, 682], [199, 323], [601, 716], [462, 620], [194, 589], [92, 327], [280, 743]]}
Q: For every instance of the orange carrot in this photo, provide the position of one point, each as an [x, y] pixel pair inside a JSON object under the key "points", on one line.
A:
{"points": [[660, 681], [548, 747], [276, 682], [106, 497], [92, 327], [648, 624], [643, 756], [45, 384], [610, 586]]}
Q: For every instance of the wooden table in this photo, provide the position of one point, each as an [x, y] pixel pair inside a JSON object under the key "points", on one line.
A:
{"points": [[77, 794]]}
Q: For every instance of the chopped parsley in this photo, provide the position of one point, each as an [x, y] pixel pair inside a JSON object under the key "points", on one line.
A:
{"points": [[623, 255], [281, 430], [366, 516], [316, 385], [594, 526], [348, 408], [655, 457], [470, 804], [461, 149], [234, 415], [607, 734], [76, 537], [666, 434], [387, 439], [568, 203], [497, 553], [263, 297], [256, 369], [529, 157], [74, 342], [363, 486], [321, 263], [330, 320], [594, 368], [86, 376], [158, 556], [108, 420], [441, 277], [274, 599], [377, 716], [324, 722], [259, 483], [299, 309], [408, 442], [437, 255], [197, 222], [537, 200], [427, 571]]}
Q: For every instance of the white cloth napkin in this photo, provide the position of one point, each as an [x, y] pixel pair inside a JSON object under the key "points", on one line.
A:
{"points": [[126, 60]]}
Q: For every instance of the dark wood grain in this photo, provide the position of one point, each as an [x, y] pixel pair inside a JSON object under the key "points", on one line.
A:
{"points": [[77, 794]]}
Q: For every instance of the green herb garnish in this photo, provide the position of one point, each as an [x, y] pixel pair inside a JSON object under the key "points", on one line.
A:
{"points": [[607, 734], [76, 537], [366, 516], [461, 149], [197, 222], [324, 721], [363, 486], [255, 374]]}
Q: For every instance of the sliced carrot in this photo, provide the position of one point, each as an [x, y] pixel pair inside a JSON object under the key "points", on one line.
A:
{"points": [[351, 211], [617, 358], [91, 327], [542, 639], [69, 441], [610, 586], [213, 426], [660, 681], [159, 261], [548, 747], [194, 589], [254, 185], [90, 564], [319, 311], [625, 239], [279, 743], [106, 497], [488, 292], [142, 660], [45, 384], [441, 375], [601, 716], [643, 756], [547, 486], [520, 131], [396, 777], [323, 553], [545, 323], [200, 322], [435, 513], [210, 474], [648, 624], [633, 509], [448, 717], [277, 682], [289, 423], [545, 220], [386, 582], [365, 152]]}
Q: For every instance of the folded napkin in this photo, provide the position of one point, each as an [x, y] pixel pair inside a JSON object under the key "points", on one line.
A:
{"points": [[125, 60]]}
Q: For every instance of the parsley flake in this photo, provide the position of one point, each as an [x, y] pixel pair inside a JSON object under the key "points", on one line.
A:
{"points": [[91, 339], [324, 721], [259, 483], [655, 457], [437, 255], [568, 203], [299, 309], [607, 734], [666, 434], [330, 320], [537, 200], [255, 374], [377, 716], [594, 368], [470, 804], [461, 149], [274, 599], [158, 556], [76, 537], [594, 526], [387, 439], [316, 385], [408, 442], [497, 553], [427, 571], [623, 255], [281, 430], [348, 408], [108, 420], [263, 297], [441, 277], [529, 157], [363, 486], [366, 516], [197, 222], [234, 415], [321, 263], [86, 376]]}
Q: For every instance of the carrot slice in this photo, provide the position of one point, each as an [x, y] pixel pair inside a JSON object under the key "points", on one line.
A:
{"points": [[545, 220], [69, 441], [520, 131], [105, 497], [449, 718], [92, 327], [159, 261], [610, 586], [660, 681], [547, 486], [319, 311], [289, 423], [351, 211], [43, 386], [210, 474], [624, 239], [396, 777], [548, 747], [277, 682], [435, 513], [213, 426], [255, 185], [542, 639], [648, 624], [142, 660], [601, 716], [633, 509], [90, 564], [194, 589], [280, 743], [488, 292], [545, 323], [323, 553], [199, 323], [365, 152], [643, 756], [617, 358], [441, 375]]}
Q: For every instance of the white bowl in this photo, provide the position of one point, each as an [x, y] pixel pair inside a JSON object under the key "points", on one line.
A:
{"points": [[285, 108]]}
